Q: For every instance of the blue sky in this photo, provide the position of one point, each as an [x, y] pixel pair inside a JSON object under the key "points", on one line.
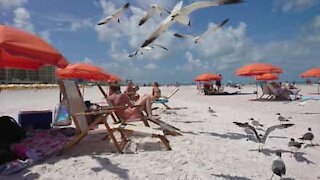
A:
{"points": [[282, 32]]}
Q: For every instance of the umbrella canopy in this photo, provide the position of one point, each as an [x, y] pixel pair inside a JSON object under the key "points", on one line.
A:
{"points": [[23, 50], [208, 77], [83, 71], [314, 72], [267, 77], [258, 69], [113, 78]]}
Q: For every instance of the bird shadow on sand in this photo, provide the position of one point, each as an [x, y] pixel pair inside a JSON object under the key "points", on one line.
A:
{"points": [[311, 145], [188, 122], [228, 135], [299, 157], [230, 177], [268, 152], [178, 108], [106, 164]]}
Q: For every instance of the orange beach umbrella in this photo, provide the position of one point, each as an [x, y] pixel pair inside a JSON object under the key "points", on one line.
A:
{"points": [[267, 77], [257, 69], [23, 50], [314, 72], [208, 77], [83, 71]]}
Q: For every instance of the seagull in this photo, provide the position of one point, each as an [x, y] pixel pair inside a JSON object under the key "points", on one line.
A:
{"points": [[295, 144], [165, 24], [246, 128], [203, 35], [154, 9], [147, 48], [211, 110], [255, 123], [308, 136], [278, 167], [262, 138], [115, 16], [283, 119], [183, 15]]}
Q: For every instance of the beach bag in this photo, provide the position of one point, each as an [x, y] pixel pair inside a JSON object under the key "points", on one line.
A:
{"points": [[61, 114], [10, 131]]}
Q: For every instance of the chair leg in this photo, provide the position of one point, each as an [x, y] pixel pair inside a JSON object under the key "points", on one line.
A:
{"points": [[165, 141], [113, 138]]}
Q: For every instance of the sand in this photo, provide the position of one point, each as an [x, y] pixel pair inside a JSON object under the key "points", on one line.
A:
{"points": [[211, 147]]}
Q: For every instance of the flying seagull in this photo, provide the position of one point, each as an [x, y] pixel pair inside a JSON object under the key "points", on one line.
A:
{"points": [[115, 16], [183, 15], [165, 24], [308, 136], [203, 35], [154, 8], [262, 138], [278, 167], [147, 48]]}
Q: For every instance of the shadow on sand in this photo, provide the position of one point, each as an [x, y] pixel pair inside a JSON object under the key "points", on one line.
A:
{"points": [[230, 177], [228, 135]]}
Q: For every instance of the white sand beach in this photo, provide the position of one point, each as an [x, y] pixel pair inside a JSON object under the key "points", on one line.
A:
{"points": [[211, 147]]}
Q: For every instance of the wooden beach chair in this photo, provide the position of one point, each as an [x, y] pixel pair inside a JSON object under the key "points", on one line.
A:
{"points": [[279, 93], [80, 116], [266, 92], [167, 128]]}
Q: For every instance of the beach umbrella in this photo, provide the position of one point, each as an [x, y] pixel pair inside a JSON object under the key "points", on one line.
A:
{"points": [[23, 50], [314, 72], [267, 77], [208, 77], [83, 71], [114, 78], [257, 69]]}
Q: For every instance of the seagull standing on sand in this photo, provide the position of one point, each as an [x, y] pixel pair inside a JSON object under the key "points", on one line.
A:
{"points": [[262, 138], [165, 24], [294, 144], [282, 119], [115, 16], [183, 15], [255, 123], [308, 136], [203, 35], [154, 8], [278, 167], [147, 48]]}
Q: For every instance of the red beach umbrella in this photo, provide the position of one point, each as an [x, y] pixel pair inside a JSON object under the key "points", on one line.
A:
{"points": [[267, 77], [314, 72], [257, 69], [208, 77], [83, 71], [23, 50]]}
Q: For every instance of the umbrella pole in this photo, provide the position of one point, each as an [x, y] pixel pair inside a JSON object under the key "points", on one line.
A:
{"points": [[318, 84], [257, 89], [83, 89]]}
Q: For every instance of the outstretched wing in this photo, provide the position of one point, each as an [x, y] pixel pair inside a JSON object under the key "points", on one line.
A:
{"points": [[198, 5], [272, 128], [183, 35], [251, 128], [213, 29], [160, 46], [116, 15]]}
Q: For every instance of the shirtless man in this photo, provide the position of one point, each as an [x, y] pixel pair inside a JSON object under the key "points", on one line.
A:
{"points": [[133, 111]]}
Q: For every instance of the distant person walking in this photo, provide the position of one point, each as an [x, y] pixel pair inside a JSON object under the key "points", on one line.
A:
{"points": [[218, 83]]}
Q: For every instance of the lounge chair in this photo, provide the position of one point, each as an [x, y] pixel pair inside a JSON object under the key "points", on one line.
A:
{"points": [[167, 128], [79, 114], [164, 100], [279, 93], [266, 91]]}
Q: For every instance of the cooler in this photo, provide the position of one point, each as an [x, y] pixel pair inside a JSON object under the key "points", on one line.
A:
{"points": [[36, 119]]}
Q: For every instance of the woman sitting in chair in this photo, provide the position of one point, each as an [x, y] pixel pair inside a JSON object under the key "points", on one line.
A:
{"points": [[133, 111], [132, 91]]}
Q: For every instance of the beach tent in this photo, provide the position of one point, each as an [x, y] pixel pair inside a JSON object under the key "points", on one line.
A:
{"points": [[23, 50], [314, 72]]}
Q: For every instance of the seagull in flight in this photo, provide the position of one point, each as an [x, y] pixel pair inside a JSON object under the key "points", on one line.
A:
{"points": [[154, 8], [203, 35], [262, 138], [115, 16], [165, 24], [183, 15], [147, 48]]}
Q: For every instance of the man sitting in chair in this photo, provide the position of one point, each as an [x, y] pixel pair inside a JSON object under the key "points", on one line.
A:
{"points": [[133, 111]]}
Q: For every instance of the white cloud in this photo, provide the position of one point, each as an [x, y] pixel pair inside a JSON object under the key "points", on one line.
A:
{"points": [[316, 22], [46, 35], [8, 4], [150, 66], [88, 60], [67, 22], [293, 5], [22, 19]]}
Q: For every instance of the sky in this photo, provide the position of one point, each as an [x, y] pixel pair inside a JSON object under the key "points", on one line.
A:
{"points": [[285, 33]]}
